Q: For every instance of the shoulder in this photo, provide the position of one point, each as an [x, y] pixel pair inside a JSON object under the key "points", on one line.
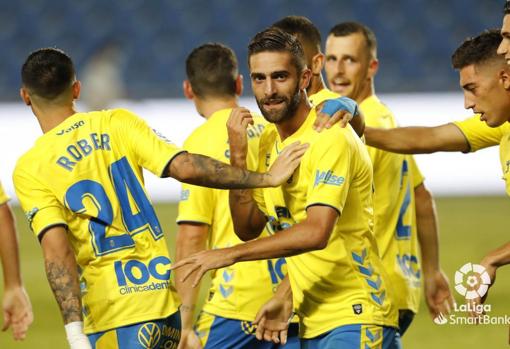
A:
{"points": [[377, 114]]}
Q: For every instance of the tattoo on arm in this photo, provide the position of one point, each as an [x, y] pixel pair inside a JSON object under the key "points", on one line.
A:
{"points": [[64, 283], [205, 171]]}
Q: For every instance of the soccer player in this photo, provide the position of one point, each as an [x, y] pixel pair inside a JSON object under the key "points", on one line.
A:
{"points": [[322, 214], [17, 310], [214, 84], [485, 80], [404, 213], [81, 187]]}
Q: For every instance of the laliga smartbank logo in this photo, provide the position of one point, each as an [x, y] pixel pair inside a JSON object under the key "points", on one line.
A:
{"points": [[472, 282]]}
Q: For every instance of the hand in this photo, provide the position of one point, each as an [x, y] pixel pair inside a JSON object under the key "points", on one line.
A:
{"points": [[189, 340], [438, 295], [330, 112], [273, 320], [17, 311], [237, 124], [491, 270], [203, 261], [286, 163]]}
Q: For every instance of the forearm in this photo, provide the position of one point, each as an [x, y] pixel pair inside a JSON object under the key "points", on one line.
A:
{"points": [[9, 251], [188, 243], [428, 236], [284, 290], [204, 171], [405, 140], [498, 257], [247, 219]]}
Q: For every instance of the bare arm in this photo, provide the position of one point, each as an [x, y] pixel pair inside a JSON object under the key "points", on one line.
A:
{"points": [[311, 234], [191, 238], [417, 140], [62, 273], [16, 306], [205, 171], [437, 291]]}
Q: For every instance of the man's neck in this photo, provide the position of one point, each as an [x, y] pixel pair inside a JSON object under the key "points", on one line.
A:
{"points": [[50, 117], [316, 85], [208, 106], [367, 92], [290, 126]]}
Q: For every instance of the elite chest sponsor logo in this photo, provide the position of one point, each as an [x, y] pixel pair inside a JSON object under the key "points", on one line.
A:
{"points": [[328, 177], [136, 276]]}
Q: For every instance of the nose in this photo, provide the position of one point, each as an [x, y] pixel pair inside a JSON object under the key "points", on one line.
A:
{"points": [[503, 47], [469, 103], [269, 87]]}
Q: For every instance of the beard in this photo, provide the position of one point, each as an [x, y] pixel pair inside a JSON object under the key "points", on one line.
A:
{"points": [[291, 104]]}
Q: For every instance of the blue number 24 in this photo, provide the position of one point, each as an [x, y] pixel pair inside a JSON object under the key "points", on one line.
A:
{"points": [[125, 184]]}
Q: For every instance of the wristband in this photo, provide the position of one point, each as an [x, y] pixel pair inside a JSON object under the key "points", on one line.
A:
{"points": [[331, 106], [75, 336]]}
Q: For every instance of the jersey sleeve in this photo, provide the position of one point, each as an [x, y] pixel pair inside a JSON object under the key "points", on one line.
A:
{"points": [[41, 206], [478, 134], [151, 149], [329, 168], [416, 175], [3, 196]]}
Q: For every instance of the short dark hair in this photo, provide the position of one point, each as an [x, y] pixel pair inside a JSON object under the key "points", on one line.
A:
{"points": [[276, 40], [478, 49], [348, 28], [303, 28], [48, 72], [506, 7], [212, 70]]}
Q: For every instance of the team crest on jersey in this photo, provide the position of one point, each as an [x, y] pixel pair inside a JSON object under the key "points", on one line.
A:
{"points": [[149, 335], [357, 308]]}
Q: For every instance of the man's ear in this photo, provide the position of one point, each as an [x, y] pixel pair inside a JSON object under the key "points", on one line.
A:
{"points": [[318, 63], [373, 67], [76, 89], [504, 78], [23, 93], [187, 90], [239, 85], [306, 77]]}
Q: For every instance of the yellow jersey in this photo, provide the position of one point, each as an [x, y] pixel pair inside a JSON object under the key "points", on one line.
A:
{"points": [[322, 95], [343, 283], [395, 177], [480, 136], [3, 196], [237, 292], [86, 174]]}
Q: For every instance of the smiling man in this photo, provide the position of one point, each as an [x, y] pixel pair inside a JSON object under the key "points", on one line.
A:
{"points": [[321, 217]]}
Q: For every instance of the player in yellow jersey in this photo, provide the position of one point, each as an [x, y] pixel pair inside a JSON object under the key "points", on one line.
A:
{"points": [[214, 84], [81, 187], [321, 216], [16, 307], [404, 212], [485, 80]]}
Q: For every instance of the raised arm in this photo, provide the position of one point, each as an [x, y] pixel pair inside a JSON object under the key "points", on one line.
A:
{"points": [[417, 140], [17, 310], [62, 274], [247, 218], [205, 171]]}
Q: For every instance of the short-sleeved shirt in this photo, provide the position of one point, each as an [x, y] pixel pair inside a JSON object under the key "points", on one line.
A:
{"points": [[237, 292], [395, 177], [86, 174], [343, 283], [480, 136]]}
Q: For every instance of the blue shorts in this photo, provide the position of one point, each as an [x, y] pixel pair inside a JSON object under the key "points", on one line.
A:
{"points": [[156, 334], [356, 337], [216, 332]]}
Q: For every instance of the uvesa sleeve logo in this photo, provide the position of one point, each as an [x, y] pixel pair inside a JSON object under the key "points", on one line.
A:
{"points": [[328, 177]]}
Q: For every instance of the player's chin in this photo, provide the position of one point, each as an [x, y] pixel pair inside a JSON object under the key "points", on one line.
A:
{"points": [[493, 121]]}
